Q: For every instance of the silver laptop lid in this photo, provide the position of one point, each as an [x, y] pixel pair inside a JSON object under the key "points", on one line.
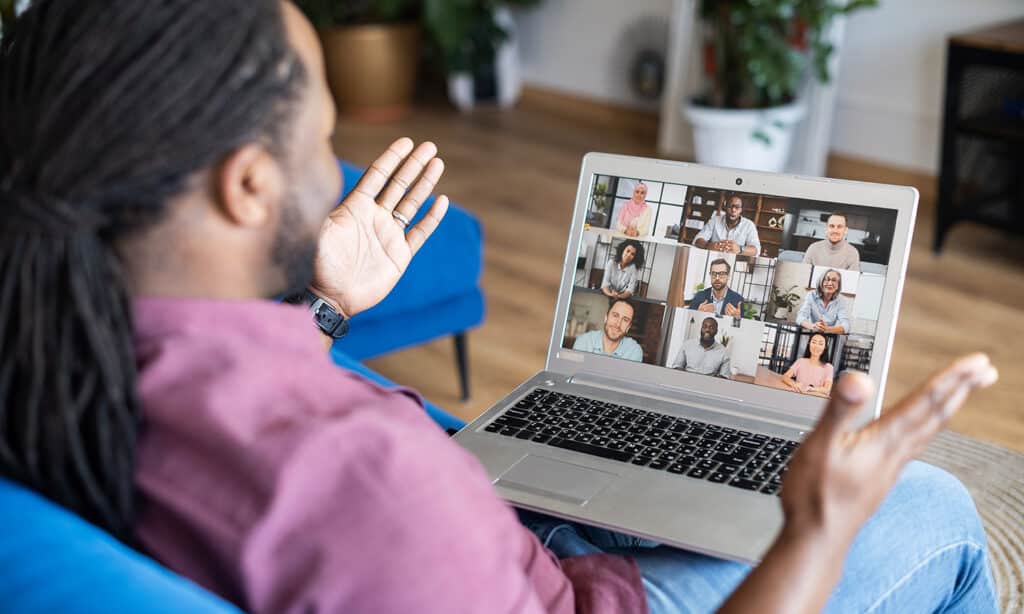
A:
{"points": [[661, 207]]}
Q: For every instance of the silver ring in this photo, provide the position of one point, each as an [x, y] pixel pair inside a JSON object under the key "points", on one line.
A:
{"points": [[401, 219]]}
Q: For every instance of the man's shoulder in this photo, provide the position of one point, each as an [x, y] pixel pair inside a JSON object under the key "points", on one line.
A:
{"points": [[631, 343], [732, 296]]}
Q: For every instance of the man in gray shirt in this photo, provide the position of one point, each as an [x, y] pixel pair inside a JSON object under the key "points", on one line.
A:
{"points": [[834, 251], [704, 356]]}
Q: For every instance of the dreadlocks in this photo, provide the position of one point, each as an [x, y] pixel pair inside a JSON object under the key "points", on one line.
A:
{"points": [[107, 107]]}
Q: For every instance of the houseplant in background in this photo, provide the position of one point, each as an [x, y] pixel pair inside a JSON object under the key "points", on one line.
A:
{"points": [[372, 54], [784, 302], [476, 46], [757, 56]]}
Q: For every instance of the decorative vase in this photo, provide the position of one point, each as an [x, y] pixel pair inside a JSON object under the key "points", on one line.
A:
{"points": [[372, 69], [756, 139]]}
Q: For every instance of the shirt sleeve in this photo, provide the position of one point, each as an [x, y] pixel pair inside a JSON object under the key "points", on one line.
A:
{"points": [[827, 376], [633, 352], [705, 232], [723, 369], [842, 315], [390, 525], [752, 238]]}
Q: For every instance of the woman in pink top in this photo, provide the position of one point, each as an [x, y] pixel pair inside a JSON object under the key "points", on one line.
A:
{"points": [[812, 373], [635, 217]]}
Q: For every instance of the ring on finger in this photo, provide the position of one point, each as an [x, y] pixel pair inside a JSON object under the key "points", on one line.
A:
{"points": [[401, 219]]}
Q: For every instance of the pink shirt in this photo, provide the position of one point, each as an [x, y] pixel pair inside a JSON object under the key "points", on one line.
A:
{"points": [[285, 484], [809, 374]]}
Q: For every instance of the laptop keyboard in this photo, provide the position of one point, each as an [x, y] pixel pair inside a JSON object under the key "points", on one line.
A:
{"points": [[719, 454]]}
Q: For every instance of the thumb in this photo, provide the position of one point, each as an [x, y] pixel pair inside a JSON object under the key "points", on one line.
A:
{"points": [[848, 396]]}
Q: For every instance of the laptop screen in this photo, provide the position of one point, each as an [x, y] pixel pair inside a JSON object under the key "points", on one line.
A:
{"points": [[756, 288]]}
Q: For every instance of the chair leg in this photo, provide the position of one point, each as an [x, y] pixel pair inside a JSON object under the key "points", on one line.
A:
{"points": [[462, 360]]}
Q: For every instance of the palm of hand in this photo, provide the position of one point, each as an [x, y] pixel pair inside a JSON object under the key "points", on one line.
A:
{"points": [[364, 247], [368, 254]]}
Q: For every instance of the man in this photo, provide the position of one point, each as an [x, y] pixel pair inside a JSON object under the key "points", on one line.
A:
{"points": [[834, 251], [719, 298], [142, 236], [731, 233], [612, 340], [704, 355]]}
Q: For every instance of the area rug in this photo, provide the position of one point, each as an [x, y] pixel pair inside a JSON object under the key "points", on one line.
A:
{"points": [[995, 478]]}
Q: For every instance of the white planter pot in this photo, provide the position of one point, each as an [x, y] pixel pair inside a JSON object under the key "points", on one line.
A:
{"points": [[756, 139], [508, 78]]}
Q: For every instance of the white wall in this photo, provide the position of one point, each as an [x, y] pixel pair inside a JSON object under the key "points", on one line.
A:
{"points": [[580, 46], [891, 77]]}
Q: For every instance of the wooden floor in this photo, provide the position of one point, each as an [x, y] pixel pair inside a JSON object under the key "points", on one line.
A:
{"points": [[517, 171]]}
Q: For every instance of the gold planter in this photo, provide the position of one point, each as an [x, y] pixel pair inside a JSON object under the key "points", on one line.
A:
{"points": [[372, 69]]}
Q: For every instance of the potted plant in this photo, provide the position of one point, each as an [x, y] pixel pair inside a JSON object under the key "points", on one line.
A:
{"points": [[784, 301], [371, 52], [475, 44], [757, 56]]}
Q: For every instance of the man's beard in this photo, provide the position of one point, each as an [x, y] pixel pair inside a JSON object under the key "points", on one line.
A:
{"points": [[611, 336], [293, 252], [707, 339]]}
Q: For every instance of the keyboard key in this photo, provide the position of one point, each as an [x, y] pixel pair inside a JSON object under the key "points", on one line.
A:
{"points": [[697, 472], [750, 443], [493, 427], [512, 421], [658, 463], [718, 477], [707, 464], [526, 434], [745, 484], [678, 468], [586, 448], [735, 458], [509, 430], [541, 438], [771, 489], [641, 460]]}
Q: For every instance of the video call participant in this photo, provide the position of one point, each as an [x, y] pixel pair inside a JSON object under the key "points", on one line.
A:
{"points": [[613, 340], [622, 270], [813, 372], [704, 355], [731, 233], [823, 310], [834, 251], [719, 298], [635, 218]]}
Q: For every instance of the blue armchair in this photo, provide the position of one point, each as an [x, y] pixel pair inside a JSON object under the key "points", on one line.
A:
{"points": [[53, 561]]}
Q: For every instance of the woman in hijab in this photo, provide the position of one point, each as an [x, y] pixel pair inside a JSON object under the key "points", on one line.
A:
{"points": [[635, 218]]}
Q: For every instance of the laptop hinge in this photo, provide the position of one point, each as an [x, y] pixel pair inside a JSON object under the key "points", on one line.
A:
{"points": [[722, 404]]}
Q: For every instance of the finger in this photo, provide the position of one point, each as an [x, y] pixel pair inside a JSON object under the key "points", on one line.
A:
{"points": [[422, 189], [419, 233], [375, 177], [848, 396], [919, 417], [405, 177]]}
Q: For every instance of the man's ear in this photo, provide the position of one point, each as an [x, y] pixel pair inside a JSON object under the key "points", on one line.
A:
{"points": [[248, 185]]}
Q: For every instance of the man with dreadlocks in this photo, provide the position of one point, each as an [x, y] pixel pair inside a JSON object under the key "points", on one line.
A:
{"points": [[165, 166]]}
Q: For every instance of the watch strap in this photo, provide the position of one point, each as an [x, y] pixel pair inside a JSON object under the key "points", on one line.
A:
{"points": [[332, 323]]}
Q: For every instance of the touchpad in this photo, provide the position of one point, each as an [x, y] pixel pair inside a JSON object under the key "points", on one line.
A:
{"points": [[555, 478]]}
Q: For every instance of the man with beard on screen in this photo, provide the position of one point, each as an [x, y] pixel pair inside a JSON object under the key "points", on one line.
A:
{"points": [[612, 340], [704, 355]]}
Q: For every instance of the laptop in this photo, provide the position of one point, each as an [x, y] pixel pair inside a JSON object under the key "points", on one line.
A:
{"points": [[703, 318]]}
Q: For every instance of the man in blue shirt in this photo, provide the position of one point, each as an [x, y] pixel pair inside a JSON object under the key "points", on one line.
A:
{"points": [[613, 340], [719, 299]]}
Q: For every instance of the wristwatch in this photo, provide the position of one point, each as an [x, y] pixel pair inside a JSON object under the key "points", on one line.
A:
{"points": [[332, 323]]}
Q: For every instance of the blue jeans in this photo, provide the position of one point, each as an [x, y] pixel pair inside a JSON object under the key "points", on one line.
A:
{"points": [[923, 551]]}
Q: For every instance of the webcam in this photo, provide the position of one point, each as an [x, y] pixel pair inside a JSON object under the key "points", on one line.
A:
{"points": [[739, 181]]}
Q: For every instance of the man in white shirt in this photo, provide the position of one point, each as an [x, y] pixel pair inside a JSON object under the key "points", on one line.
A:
{"points": [[731, 233]]}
